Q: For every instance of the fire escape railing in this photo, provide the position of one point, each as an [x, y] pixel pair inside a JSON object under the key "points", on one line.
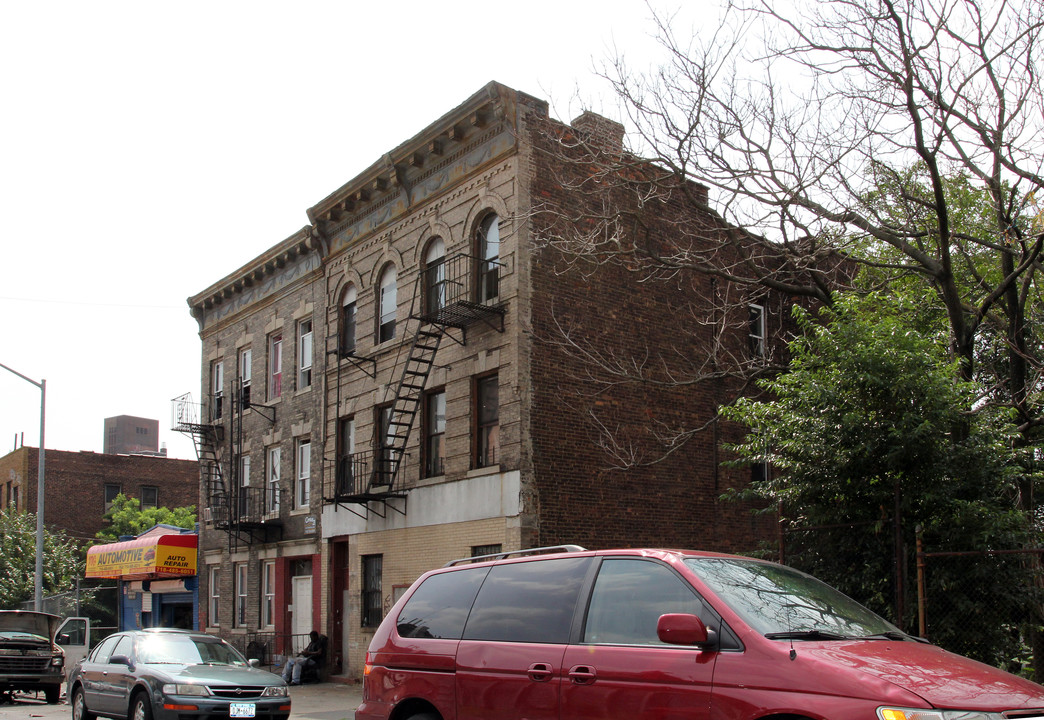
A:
{"points": [[456, 292]]}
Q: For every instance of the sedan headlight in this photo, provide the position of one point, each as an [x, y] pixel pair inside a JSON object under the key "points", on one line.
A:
{"points": [[185, 689], [892, 713], [275, 691]]}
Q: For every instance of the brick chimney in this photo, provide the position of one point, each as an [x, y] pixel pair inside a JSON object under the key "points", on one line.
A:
{"points": [[599, 131]]}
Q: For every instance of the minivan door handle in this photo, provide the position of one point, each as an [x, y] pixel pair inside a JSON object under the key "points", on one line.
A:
{"points": [[582, 675], [540, 672]]}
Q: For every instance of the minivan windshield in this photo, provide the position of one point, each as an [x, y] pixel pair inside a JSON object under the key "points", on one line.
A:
{"points": [[786, 604]]}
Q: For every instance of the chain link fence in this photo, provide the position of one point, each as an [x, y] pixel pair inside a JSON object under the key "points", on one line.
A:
{"points": [[98, 602], [986, 605]]}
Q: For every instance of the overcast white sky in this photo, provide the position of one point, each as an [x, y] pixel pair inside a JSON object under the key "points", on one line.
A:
{"points": [[147, 149]]}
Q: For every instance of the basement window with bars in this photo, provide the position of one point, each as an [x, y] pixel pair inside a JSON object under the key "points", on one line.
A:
{"points": [[372, 570]]}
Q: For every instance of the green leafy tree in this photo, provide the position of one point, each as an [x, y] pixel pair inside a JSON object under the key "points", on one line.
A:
{"points": [[62, 559], [868, 437], [126, 517]]}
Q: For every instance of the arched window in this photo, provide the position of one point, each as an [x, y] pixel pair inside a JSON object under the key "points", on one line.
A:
{"points": [[435, 276], [388, 299], [489, 258], [348, 312]]}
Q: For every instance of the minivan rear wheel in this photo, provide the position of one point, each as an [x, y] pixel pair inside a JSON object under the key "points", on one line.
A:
{"points": [[425, 716]]}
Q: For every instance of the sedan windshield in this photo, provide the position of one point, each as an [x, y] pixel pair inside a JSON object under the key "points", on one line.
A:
{"points": [[785, 604], [187, 650]]}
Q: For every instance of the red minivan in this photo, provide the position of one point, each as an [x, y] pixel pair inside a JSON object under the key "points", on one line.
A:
{"points": [[661, 635]]}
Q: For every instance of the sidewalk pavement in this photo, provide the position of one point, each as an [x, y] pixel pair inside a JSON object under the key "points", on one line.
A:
{"points": [[325, 701]]}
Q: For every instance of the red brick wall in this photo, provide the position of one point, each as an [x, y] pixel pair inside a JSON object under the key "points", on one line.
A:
{"points": [[75, 482], [668, 322]]}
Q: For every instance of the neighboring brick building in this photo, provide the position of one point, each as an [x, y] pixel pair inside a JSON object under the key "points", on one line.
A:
{"points": [[434, 415], [78, 486]]}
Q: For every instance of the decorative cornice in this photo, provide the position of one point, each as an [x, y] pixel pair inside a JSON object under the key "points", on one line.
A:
{"points": [[257, 272], [393, 177]]}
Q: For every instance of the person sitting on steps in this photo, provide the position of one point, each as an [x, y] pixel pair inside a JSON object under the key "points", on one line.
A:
{"points": [[306, 658]]}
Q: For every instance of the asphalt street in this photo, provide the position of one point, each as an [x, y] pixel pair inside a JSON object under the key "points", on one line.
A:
{"points": [[324, 701]]}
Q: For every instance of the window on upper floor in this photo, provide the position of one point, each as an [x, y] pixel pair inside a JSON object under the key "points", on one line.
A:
{"points": [[245, 364], [388, 299], [303, 482], [275, 366], [757, 327], [488, 251], [149, 496], [434, 431], [383, 440], [347, 470], [304, 354], [274, 457], [245, 508], [435, 276], [486, 446], [111, 491], [217, 388], [348, 313]]}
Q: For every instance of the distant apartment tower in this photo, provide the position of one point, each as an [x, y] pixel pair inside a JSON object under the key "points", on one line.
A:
{"points": [[127, 435]]}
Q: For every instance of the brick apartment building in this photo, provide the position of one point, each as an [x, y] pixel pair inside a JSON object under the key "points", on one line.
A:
{"points": [[383, 391], [79, 486]]}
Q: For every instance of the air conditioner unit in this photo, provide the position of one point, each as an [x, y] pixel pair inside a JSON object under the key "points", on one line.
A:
{"points": [[208, 516]]}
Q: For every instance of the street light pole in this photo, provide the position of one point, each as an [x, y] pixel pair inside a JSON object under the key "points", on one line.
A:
{"points": [[38, 583]]}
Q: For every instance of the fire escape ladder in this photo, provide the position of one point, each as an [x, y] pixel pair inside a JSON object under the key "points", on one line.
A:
{"points": [[236, 510], [458, 291], [404, 409]]}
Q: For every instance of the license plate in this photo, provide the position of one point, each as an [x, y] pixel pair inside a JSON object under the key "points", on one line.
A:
{"points": [[247, 710]]}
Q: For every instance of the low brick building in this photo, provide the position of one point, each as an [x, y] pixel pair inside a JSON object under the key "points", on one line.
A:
{"points": [[79, 486]]}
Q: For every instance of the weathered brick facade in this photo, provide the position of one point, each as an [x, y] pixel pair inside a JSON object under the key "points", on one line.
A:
{"points": [[504, 451], [74, 484]]}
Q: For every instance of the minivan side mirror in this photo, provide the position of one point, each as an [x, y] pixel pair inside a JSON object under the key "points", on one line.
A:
{"points": [[684, 629]]}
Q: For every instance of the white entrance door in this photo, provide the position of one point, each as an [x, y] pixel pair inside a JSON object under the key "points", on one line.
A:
{"points": [[302, 617]]}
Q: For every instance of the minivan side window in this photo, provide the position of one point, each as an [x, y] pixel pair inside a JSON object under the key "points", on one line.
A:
{"points": [[440, 606], [528, 601], [630, 596]]}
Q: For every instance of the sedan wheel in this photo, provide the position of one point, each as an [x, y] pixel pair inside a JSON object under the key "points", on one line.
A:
{"points": [[142, 709], [79, 706]]}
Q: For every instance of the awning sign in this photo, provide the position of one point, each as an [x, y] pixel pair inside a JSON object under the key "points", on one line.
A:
{"points": [[163, 556]]}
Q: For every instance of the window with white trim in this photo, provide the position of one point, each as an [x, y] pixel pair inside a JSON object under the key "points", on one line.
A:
{"points": [[214, 600], [272, 473], [757, 331], [304, 354], [275, 366], [388, 299], [267, 593], [245, 363], [241, 594], [302, 486]]}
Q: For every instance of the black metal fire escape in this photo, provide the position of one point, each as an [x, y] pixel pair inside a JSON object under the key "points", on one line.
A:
{"points": [[238, 510], [447, 297]]}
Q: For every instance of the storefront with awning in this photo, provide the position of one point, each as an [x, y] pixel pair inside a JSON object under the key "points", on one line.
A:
{"points": [[157, 577]]}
